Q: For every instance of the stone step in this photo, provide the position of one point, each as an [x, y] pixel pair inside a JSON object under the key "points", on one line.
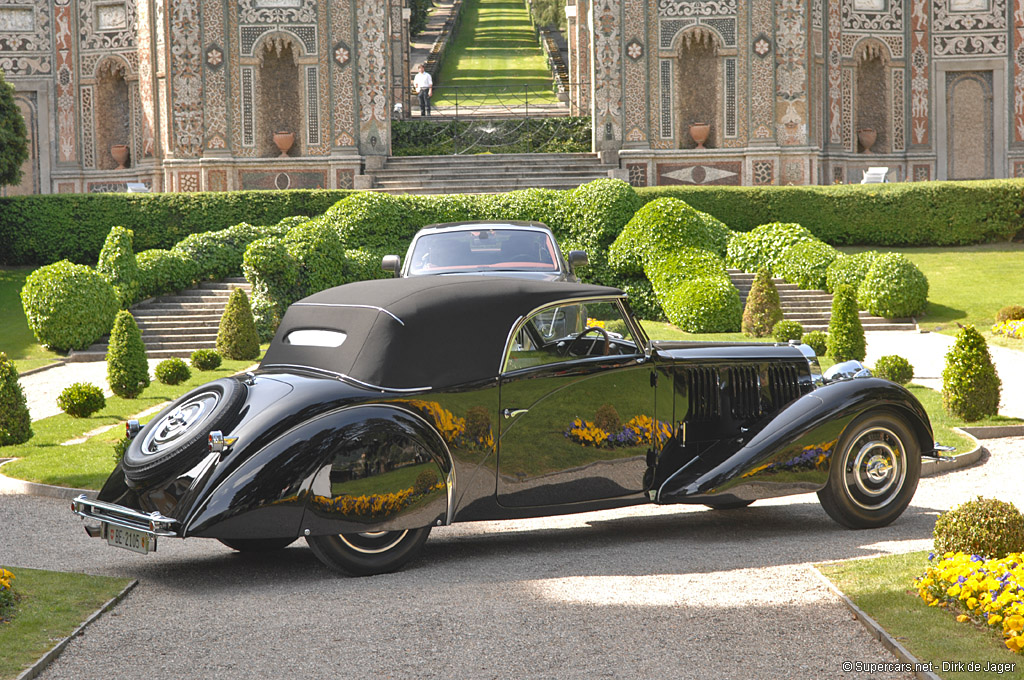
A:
{"points": [[496, 170], [167, 307], [494, 188], [484, 159], [180, 333]]}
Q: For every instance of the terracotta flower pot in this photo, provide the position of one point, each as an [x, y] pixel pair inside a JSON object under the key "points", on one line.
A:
{"points": [[120, 154], [699, 132], [284, 141], [867, 138]]}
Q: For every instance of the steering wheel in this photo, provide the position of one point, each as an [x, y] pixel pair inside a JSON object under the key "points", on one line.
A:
{"points": [[585, 331]]}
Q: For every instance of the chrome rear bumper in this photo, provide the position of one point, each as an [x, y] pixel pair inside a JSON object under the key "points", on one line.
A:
{"points": [[152, 524]]}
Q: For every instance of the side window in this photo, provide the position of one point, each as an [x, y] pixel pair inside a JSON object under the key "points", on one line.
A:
{"points": [[568, 332]]}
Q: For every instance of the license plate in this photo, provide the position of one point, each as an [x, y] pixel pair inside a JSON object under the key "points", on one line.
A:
{"points": [[129, 539]]}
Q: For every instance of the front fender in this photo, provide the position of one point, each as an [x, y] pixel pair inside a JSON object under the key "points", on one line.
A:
{"points": [[792, 452], [368, 467]]}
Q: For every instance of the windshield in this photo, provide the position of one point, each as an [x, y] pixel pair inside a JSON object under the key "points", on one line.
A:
{"points": [[483, 250]]}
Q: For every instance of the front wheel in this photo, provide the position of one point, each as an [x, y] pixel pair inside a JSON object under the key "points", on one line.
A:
{"points": [[874, 474], [370, 552]]}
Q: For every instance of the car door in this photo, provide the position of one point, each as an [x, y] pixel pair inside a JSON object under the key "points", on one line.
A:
{"points": [[576, 408]]}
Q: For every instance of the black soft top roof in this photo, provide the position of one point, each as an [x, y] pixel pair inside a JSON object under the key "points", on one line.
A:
{"points": [[430, 331]]}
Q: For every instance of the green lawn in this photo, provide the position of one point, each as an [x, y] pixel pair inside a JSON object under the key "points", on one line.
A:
{"points": [[15, 337], [50, 606], [968, 285], [495, 59], [884, 589]]}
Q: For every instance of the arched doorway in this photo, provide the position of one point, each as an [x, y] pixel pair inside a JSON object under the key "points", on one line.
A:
{"points": [[279, 105], [113, 120], [969, 125], [699, 75]]}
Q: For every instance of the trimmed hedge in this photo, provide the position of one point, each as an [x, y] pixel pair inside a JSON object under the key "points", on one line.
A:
{"points": [[118, 266], [706, 305], [164, 271], [898, 214], [660, 227], [68, 306], [37, 230], [806, 264], [765, 246], [849, 270]]}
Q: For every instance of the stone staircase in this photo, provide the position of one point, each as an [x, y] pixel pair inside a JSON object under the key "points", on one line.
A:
{"points": [[813, 308], [176, 325], [487, 173]]}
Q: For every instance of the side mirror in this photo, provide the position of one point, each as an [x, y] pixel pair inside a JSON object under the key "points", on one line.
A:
{"points": [[578, 258], [391, 263]]}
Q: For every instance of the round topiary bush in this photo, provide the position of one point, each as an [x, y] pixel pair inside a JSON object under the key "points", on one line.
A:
{"points": [[127, 368], [68, 306], [15, 421], [1010, 313], [984, 526], [164, 271], [237, 337], [763, 309], [893, 367], [818, 341], [596, 212], [205, 359], [806, 264], [764, 246], [118, 266], [848, 269], [893, 287], [81, 400], [670, 270], [787, 330], [705, 305], [970, 385], [845, 332], [660, 228], [173, 371]]}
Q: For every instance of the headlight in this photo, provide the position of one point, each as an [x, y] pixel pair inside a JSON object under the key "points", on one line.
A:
{"points": [[846, 370]]}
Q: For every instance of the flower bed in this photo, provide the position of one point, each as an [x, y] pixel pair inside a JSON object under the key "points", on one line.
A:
{"points": [[987, 592], [1011, 329], [6, 593]]}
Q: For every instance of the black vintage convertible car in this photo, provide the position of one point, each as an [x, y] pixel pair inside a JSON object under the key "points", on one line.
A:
{"points": [[385, 408]]}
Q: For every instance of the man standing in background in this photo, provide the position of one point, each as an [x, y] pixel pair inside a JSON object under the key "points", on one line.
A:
{"points": [[425, 87]]}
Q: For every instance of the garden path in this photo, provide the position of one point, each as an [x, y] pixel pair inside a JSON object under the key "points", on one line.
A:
{"points": [[42, 388], [927, 353]]}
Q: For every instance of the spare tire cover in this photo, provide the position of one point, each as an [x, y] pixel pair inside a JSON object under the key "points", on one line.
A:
{"points": [[177, 437]]}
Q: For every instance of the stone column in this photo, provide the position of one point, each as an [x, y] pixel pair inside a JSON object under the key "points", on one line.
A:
{"points": [[606, 74]]}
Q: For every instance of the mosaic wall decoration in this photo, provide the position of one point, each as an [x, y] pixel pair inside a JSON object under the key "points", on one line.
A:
{"points": [[790, 72], [690, 8], [967, 31], [67, 86], [104, 25], [849, 141], [920, 58], [248, 97], [188, 181], [26, 42], [282, 179], [665, 88], [762, 72], [373, 75], [637, 174], [344, 178], [86, 101], [215, 71], [607, 86], [922, 173], [66, 188], [1018, 169], [792, 172], [835, 74], [217, 180], [312, 106], [107, 187], [342, 76], [730, 97], [712, 173], [880, 16], [1018, 70], [763, 172], [186, 80], [634, 72], [147, 113], [898, 111]]}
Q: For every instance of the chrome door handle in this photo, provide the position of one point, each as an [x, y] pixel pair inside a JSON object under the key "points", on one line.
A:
{"points": [[513, 412]]}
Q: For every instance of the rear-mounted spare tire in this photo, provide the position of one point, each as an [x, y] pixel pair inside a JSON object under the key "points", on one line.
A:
{"points": [[177, 437]]}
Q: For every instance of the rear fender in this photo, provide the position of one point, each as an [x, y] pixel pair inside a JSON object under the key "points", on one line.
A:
{"points": [[792, 452], [360, 468]]}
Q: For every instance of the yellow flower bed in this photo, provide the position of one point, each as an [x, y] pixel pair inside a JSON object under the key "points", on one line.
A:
{"points": [[987, 592], [1011, 329], [6, 591]]}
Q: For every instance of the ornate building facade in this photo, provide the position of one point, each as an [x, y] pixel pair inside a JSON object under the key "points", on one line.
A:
{"points": [[190, 95], [187, 95], [802, 91]]}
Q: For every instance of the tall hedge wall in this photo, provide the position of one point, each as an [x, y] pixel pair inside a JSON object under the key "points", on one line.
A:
{"points": [[904, 214], [36, 230]]}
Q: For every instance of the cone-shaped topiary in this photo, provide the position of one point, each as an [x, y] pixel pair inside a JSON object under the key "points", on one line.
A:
{"points": [[237, 337], [118, 266], [763, 309], [970, 385], [15, 422], [127, 368], [845, 332]]}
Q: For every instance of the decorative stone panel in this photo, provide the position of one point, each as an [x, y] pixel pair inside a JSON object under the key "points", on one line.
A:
{"points": [[607, 87], [920, 59], [282, 179], [711, 173], [968, 28], [186, 81], [637, 174], [763, 172], [26, 43]]}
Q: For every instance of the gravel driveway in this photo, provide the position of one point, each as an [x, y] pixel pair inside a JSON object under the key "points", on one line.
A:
{"points": [[643, 592]]}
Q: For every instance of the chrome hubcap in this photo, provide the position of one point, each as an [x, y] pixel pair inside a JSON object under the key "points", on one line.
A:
{"points": [[373, 542], [178, 423], [876, 466]]}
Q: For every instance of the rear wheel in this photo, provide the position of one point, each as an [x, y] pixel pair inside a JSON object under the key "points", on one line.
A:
{"points": [[370, 552], [874, 472], [257, 545], [177, 437]]}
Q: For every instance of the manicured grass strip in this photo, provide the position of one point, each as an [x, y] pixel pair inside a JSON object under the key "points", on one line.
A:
{"points": [[15, 337], [86, 466], [884, 588], [494, 59], [50, 606], [943, 423]]}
